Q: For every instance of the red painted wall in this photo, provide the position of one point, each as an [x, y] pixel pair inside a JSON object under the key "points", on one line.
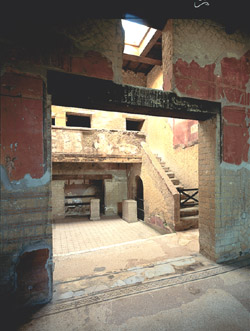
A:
{"points": [[22, 112], [183, 135], [22, 125], [201, 82], [92, 64]]}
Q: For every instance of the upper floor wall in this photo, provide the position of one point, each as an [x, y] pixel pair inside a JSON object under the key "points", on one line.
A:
{"points": [[82, 135]]}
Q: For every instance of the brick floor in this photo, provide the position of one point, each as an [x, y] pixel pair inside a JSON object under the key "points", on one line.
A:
{"points": [[80, 234]]}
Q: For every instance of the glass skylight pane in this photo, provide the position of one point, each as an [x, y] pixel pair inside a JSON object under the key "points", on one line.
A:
{"points": [[134, 32]]}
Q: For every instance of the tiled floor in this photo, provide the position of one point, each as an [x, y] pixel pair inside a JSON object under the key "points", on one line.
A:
{"points": [[80, 234]]}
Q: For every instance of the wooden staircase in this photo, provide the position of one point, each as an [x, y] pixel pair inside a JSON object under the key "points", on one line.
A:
{"points": [[189, 211]]}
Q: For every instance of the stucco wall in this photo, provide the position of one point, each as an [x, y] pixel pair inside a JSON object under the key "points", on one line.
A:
{"points": [[92, 48], [161, 199], [210, 64], [182, 160], [155, 78]]}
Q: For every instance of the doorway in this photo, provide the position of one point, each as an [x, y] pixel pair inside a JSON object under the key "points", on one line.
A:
{"points": [[139, 198]]}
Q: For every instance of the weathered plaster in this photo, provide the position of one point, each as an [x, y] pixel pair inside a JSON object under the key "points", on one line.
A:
{"points": [[206, 42], [233, 167], [26, 182]]}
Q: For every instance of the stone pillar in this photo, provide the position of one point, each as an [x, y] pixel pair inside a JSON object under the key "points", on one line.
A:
{"points": [[95, 209], [129, 211]]}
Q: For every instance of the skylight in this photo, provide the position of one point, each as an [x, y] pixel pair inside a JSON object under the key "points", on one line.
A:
{"points": [[134, 32]]}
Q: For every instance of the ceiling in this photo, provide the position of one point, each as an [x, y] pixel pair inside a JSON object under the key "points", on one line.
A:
{"points": [[151, 56], [36, 18]]}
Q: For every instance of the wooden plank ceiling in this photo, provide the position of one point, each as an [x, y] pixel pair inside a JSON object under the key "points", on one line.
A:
{"points": [[150, 56]]}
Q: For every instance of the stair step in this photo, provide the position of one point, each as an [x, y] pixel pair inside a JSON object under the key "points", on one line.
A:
{"points": [[189, 211], [170, 174], [166, 169], [175, 181], [189, 203], [194, 219], [187, 223]]}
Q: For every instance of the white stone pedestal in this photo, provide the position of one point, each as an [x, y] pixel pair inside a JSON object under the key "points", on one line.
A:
{"points": [[129, 211], [95, 209]]}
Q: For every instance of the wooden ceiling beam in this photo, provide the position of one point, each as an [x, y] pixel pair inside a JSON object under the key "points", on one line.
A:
{"points": [[142, 59], [151, 43]]}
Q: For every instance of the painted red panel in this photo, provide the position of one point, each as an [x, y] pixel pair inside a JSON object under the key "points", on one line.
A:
{"points": [[235, 95], [194, 71], [22, 137], [196, 89], [93, 64], [182, 133], [183, 84], [60, 61], [235, 135], [13, 84], [235, 146], [233, 72], [235, 115]]}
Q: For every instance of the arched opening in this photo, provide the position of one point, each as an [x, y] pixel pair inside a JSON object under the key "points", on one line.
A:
{"points": [[139, 198]]}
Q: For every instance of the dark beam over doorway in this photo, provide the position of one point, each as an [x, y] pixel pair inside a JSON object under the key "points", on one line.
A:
{"points": [[71, 90]]}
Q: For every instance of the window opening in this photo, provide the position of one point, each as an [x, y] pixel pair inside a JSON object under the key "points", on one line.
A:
{"points": [[134, 32], [134, 125], [78, 121]]}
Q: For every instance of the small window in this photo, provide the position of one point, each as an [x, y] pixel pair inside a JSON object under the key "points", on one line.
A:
{"points": [[78, 121], [53, 121], [134, 125]]}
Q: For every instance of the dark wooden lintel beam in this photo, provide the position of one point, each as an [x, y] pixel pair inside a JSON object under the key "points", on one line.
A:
{"points": [[71, 90]]}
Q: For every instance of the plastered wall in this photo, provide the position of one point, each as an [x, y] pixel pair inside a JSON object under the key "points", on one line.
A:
{"points": [[174, 140], [182, 160], [208, 63], [160, 200], [92, 48]]}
